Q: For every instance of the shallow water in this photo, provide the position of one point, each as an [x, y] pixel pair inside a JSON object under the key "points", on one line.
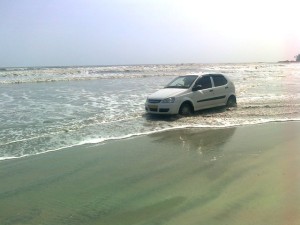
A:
{"points": [[244, 175], [47, 109]]}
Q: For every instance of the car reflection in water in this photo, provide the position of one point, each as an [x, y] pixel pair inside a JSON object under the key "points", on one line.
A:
{"points": [[208, 143]]}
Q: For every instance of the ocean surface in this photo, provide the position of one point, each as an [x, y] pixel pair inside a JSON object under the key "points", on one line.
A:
{"points": [[52, 108]]}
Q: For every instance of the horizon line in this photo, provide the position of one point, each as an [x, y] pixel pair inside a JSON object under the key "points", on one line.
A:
{"points": [[107, 65]]}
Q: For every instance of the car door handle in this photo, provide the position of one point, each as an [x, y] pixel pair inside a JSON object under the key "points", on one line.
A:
{"points": [[226, 87], [211, 90]]}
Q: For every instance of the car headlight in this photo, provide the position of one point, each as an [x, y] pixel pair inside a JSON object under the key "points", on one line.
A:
{"points": [[168, 100]]}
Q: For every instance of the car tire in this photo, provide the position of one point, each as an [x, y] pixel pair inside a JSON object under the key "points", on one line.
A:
{"points": [[231, 102], [186, 109]]}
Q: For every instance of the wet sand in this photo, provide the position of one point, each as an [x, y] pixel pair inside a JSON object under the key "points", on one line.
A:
{"points": [[244, 175]]}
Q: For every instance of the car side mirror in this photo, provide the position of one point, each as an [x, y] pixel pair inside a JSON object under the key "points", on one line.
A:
{"points": [[197, 87]]}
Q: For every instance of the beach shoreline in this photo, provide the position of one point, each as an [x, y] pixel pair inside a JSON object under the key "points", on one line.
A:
{"points": [[236, 175]]}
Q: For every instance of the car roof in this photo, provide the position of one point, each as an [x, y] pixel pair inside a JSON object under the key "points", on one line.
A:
{"points": [[205, 74]]}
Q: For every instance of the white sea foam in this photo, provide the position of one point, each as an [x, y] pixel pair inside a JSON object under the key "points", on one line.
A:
{"points": [[42, 117]]}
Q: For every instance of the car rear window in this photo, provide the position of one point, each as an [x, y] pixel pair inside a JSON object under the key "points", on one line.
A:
{"points": [[219, 80]]}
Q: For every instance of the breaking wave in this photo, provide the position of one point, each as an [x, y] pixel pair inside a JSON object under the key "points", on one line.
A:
{"points": [[99, 104]]}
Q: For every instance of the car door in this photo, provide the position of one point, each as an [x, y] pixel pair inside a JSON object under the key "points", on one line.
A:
{"points": [[203, 92], [220, 89]]}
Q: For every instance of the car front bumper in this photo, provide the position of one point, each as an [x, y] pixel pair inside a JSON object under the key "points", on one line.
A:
{"points": [[160, 108]]}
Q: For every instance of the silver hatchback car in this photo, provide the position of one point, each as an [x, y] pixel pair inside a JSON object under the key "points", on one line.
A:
{"points": [[189, 93]]}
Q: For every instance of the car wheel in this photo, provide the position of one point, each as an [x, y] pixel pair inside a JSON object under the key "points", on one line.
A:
{"points": [[231, 102], [185, 109]]}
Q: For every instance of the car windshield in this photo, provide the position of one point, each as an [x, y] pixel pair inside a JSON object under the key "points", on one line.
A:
{"points": [[182, 82]]}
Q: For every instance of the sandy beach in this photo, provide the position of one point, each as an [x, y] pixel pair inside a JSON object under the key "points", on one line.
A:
{"points": [[238, 175], [149, 112]]}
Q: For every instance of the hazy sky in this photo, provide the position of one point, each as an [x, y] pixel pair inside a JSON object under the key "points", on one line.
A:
{"points": [[105, 32]]}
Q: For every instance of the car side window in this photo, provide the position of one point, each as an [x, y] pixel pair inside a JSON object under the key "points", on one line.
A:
{"points": [[219, 80], [205, 82]]}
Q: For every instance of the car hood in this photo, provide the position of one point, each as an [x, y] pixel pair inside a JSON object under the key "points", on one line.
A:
{"points": [[167, 92]]}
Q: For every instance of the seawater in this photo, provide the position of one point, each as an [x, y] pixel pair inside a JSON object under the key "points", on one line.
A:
{"points": [[47, 109]]}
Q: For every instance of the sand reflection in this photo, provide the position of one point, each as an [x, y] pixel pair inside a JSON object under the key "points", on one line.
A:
{"points": [[206, 142]]}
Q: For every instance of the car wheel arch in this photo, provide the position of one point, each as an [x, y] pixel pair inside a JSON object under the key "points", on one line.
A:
{"points": [[231, 101], [186, 102]]}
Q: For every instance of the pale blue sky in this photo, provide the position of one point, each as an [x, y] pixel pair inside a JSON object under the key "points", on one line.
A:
{"points": [[113, 32]]}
